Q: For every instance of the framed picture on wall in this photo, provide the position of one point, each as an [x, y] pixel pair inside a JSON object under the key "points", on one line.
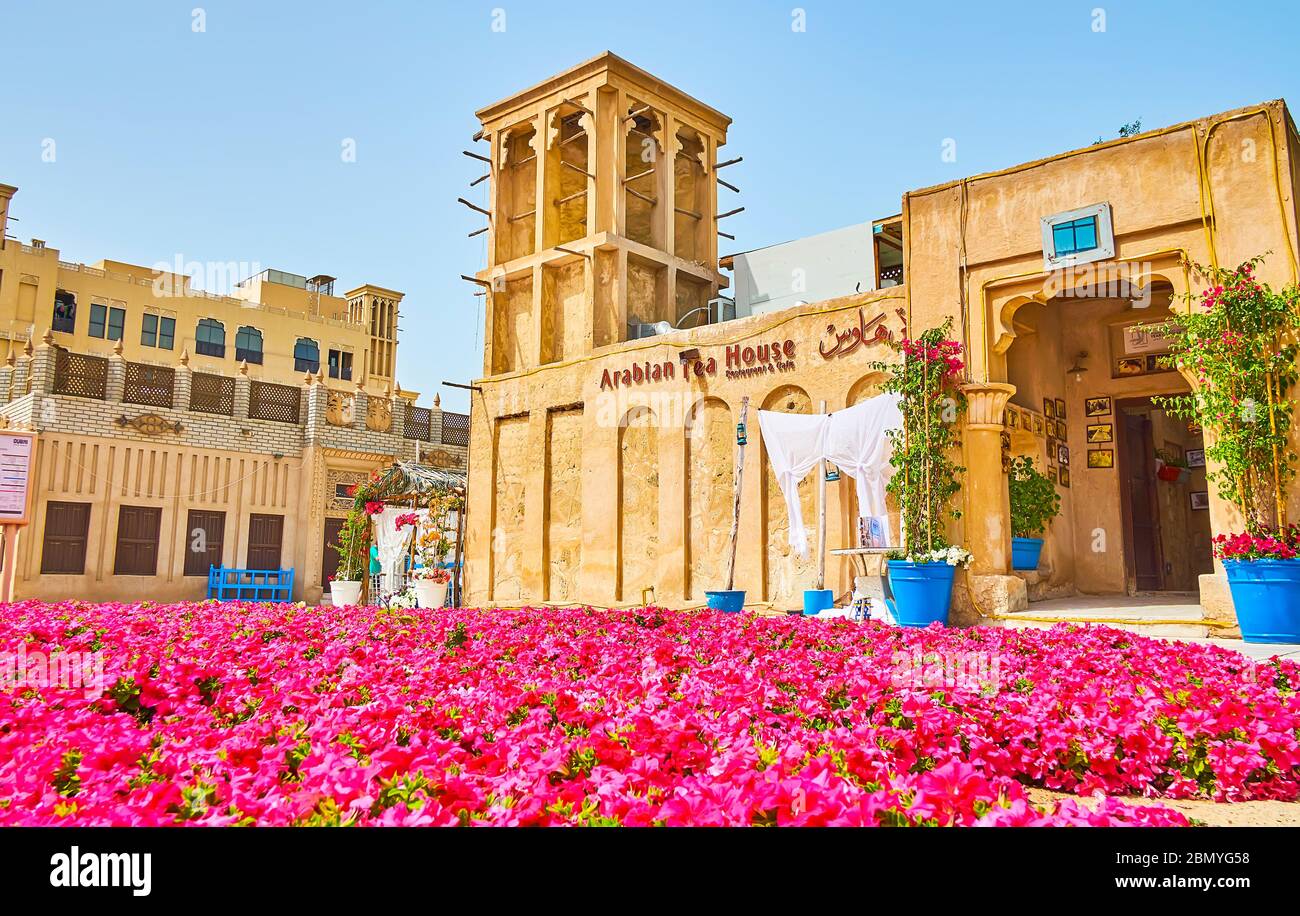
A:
{"points": [[1101, 432], [1130, 365], [1013, 418], [1038, 425], [1060, 408], [1200, 499], [1005, 438], [1051, 450], [1063, 455], [1101, 458], [1049, 408], [1096, 407], [1195, 457], [1006, 462], [1051, 474], [1060, 429], [1064, 478]]}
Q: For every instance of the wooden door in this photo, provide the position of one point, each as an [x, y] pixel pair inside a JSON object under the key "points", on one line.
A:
{"points": [[265, 533], [330, 556], [1143, 512]]}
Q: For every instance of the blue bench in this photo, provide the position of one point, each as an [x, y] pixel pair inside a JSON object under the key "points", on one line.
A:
{"points": [[250, 584]]}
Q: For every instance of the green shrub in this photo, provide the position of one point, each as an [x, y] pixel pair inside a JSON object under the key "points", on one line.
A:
{"points": [[1034, 500]]}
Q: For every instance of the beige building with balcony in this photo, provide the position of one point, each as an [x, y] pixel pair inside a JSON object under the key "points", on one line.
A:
{"points": [[624, 395], [177, 430]]}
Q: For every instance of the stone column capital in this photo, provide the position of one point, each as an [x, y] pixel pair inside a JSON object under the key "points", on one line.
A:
{"points": [[986, 402]]}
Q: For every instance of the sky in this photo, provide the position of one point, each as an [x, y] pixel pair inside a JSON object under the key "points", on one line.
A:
{"points": [[219, 131]]}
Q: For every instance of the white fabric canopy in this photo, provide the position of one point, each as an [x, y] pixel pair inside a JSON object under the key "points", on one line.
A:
{"points": [[856, 443], [854, 439], [795, 442], [392, 541]]}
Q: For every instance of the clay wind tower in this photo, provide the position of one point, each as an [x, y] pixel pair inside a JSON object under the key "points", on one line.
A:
{"points": [[602, 215]]}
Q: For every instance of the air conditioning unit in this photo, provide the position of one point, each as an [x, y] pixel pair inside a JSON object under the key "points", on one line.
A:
{"points": [[636, 330], [721, 309]]}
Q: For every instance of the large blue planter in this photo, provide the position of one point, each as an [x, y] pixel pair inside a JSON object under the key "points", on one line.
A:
{"points": [[1025, 552], [816, 600], [730, 602], [1266, 595], [922, 592]]}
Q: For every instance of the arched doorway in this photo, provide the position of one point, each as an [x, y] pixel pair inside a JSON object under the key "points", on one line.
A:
{"points": [[1089, 373]]}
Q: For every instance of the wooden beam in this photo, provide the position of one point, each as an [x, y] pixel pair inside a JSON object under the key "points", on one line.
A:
{"points": [[728, 185], [582, 108], [478, 232], [730, 213], [723, 165], [570, 165], [487, 213], [581, 254], [477, 156], [480, 179], [484, 283], [646, 198]]}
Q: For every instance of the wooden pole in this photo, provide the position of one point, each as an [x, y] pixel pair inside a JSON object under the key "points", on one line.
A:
{"points": [[10, 563], [821, 518], [735, 501]]}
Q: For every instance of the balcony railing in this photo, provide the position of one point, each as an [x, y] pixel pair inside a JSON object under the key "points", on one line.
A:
{"points": [[80, 375], [455, 429], [150, 385]]}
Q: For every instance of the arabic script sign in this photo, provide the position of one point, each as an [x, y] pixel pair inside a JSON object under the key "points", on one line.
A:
{"points": [[864, 333]]}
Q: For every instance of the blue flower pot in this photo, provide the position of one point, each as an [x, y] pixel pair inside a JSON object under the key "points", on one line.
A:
{"points": [[1025, 552], [1266, 595], [816, 600], [730, 602], [922, 592]]}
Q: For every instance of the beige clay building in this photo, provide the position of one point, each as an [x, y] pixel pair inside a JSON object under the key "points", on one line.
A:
{"points": [[177, 429], [602, 439]]}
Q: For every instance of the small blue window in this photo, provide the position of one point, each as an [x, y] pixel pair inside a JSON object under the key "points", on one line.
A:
{"points": [[1075, 236]]}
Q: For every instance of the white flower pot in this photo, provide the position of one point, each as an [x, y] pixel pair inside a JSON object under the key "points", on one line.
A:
{"points": [[344, 593], [430, 594]]}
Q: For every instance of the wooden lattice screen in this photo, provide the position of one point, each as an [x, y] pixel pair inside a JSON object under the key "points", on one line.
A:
{"points": [[80, 375], [269, 401], [151, 385], [455, 429], [212, 393], [419, 423]]}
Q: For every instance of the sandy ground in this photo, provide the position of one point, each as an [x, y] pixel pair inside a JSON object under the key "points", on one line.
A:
{"points": [[1211, 814]]}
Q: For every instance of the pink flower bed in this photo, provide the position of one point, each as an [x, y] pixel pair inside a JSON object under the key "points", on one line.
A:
{"points": [[254, 714]]}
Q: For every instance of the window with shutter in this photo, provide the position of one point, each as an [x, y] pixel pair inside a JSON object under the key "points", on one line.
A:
{"points": [[137, 541], [264, 535], [205, 534], [63, 552]]}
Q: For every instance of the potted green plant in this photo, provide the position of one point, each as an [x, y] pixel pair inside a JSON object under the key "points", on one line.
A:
{"points": [[352, 546], [925, 478], [1171, 468], [1237, 348], [1034, 503]]}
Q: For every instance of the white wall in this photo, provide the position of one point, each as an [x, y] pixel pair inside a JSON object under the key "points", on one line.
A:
{"points": [[810, 269]]}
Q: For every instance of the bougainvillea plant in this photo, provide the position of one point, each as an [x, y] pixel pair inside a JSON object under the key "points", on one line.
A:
{"points": [[925, 477], [1034, 500], [1235, 346]]}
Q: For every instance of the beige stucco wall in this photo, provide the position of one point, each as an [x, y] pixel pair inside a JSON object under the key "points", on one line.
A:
{"points": [[652, 503]]}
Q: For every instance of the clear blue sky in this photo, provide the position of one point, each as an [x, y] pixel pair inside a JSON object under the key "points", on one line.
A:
{"points": [[225, 145]]}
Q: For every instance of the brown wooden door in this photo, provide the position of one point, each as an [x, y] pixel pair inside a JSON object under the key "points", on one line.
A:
{"points": [[1140, 495], [64, 549], [265, 533], [330, 557], [137, 541], [205, 534]]}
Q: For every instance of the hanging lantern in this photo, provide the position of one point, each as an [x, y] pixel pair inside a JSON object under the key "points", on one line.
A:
{"points": [[740, 434], [832, 473]]}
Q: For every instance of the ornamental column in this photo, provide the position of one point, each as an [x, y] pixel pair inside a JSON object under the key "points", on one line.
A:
{"points": [[987, 514]]}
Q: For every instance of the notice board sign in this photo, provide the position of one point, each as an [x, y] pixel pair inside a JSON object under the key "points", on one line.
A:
{"points": [[15, 476]]}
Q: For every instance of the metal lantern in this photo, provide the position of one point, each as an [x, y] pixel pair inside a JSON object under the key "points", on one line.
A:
{"points": [[832, 473], [740, 434]]}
